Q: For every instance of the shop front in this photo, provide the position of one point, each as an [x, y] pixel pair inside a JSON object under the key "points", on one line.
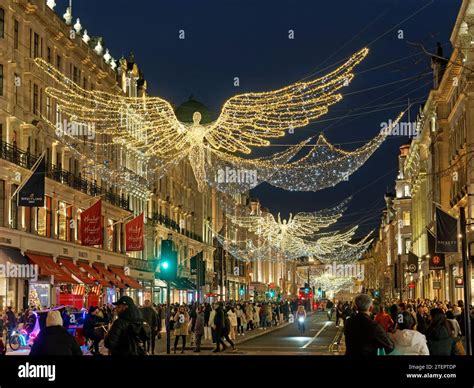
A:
{"points": [[12, 288], [52, 283], [183, 291], [159, 292]]}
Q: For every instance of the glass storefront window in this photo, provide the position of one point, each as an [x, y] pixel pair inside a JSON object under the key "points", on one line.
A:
{"points": [[110, 235], [43, 219], [64, 216], [41, 291]]}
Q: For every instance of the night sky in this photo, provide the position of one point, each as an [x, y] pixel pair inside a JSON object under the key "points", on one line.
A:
{"points": [[249, 39]]}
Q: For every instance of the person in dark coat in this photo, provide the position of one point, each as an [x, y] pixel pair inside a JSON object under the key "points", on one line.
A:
{"points": [[54, 339], [363, 335], [159, 316], [438, 335], [199, 328], [151, 318], [11, 321], [221, 329], [207, 328], [128, 332], [421, 321], [91, 322]]}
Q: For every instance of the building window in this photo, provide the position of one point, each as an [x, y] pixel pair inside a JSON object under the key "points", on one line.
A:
{"points": [[36, 51], [43, 219], [2, 203], [407, 246], [16, 88], [406, 218], [35, 99], [16, 34], [406, 191], [1, 80], [75, 75], [2, 23], [48, 108], [64, 218], [48, 53], [14, 209], [58, 62]]}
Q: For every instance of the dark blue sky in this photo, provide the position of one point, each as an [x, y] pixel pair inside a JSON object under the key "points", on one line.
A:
{"points": [[249, 39]]}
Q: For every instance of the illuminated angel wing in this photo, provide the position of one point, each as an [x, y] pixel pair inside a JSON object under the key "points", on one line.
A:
{"points": [[145, 123], [250, 119], [307, 224], [263, 225]]}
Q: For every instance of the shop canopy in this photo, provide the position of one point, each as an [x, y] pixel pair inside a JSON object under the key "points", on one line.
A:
{"points": [[130, 282], [76, 271], [183, 284], [108, 275], [94, 273], [12, 255], [49, 268]]}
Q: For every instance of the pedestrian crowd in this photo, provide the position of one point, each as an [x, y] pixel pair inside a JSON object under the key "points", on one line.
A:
{"points": [[127, 329], [414, 327]]}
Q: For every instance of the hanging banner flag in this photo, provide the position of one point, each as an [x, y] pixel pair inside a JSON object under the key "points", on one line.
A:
{"points": [[91, 225], [31, 193], [446, 232], [436, 259], [412, 263], [134, 236]]}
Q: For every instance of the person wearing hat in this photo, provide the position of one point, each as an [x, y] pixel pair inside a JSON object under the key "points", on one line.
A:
{"points": [[128, 332], [54, 339]]}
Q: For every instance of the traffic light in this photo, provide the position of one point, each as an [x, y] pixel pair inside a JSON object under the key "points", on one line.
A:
{"points": [[168, 261], [272, 294]]}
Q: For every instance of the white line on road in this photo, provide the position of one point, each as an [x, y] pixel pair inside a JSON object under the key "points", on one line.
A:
{"points": [[316, 336]]}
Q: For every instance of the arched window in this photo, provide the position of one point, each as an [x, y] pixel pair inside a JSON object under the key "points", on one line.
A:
{"points": [[2, 23]]}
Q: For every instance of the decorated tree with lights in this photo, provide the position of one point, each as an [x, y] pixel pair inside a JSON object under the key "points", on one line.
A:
{"points": [[33, 299]]}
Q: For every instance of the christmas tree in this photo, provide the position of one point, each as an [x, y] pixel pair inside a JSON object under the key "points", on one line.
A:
{"points": [[34, 300]]}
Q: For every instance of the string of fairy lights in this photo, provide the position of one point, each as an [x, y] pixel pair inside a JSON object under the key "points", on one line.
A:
{"points": [[270, 238], [148, 127]]}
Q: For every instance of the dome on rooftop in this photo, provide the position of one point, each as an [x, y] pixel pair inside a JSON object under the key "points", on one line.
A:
{"points": [[185, 111]]}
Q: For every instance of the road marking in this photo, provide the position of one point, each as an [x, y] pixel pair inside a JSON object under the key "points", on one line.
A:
{"points": [[316, 336]]}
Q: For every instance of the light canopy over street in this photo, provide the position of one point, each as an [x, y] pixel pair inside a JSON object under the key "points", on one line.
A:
{"points": [[235, 181]]}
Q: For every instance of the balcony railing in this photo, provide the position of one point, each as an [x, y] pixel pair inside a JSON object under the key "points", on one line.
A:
{"points": [[27, 160], [173, 225]]}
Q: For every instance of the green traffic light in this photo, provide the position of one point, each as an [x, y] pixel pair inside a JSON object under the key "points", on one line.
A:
{"points": [[165, 265]]}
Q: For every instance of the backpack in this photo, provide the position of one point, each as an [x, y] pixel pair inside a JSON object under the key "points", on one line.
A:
{"points": [[137, 340]]}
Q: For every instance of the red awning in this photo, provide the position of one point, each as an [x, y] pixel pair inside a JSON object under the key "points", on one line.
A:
{"points": [[76, 271], [95, 274], [49, 268], [132, 283], [108, 275]]}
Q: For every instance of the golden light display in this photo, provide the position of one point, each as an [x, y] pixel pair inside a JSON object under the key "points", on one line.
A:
{"points": [[148, 126]]}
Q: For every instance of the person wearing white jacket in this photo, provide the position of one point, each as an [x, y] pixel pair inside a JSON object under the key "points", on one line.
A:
{"points": [[408, 342], [211, 322], [233, 323]]}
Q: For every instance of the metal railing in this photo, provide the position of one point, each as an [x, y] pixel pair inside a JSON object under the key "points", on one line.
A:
{"points": [[26, 159], [173, 225]]}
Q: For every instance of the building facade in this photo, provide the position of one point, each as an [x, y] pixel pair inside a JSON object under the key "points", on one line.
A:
{"points": [[82, 172]]}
